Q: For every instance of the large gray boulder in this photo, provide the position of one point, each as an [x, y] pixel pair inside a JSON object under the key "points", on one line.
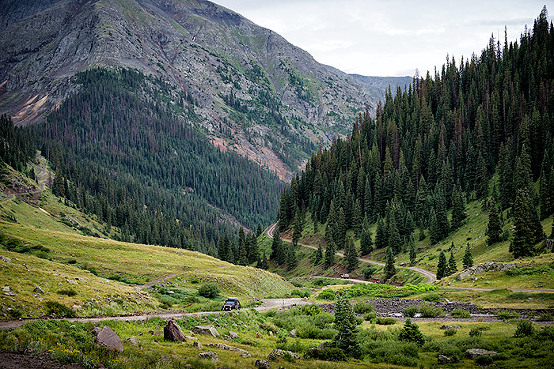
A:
{"points": [[475, 353], [278, 354], [208, 355], [206, 329], [109, 339], [172, 332], [262, 364]]}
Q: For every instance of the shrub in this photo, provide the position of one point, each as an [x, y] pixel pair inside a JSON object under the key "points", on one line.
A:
{"points": [[300, 293], [391, 352], [385, 321], [476, 331], [57, 310], [362, 308], [446, 348], [208, 290], [327, 294], [429, 311], [460, 313], [524, 329], [326, 353], [371, 316], [410, 311], [432, 297], [484, 360], [369, 270], [67, 292], [545, 317], [450, 332], [507, 315], [410, 332], [310, 310], [15, 313]]}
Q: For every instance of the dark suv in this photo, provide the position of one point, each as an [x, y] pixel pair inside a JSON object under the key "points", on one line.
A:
{"points": [[232, 303]]}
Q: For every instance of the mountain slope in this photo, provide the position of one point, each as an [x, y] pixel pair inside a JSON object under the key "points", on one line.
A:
{"points": [[252, 90]]}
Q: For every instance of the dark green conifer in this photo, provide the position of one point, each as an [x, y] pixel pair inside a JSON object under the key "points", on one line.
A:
{"points": [[390, 270], [351, 255], [494, 227], [345, 324], [458, 209], [277, 249], [318, 255], [330, 250], [413, 255], [442, 266], [366, 243], [452, 268], [468, 258]]}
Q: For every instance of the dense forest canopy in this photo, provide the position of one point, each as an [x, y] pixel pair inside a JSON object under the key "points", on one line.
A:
{"points": [[478, 130], [123, 151]]}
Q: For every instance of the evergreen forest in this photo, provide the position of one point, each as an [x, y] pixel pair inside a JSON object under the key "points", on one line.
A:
{"points": [[478, 130]]}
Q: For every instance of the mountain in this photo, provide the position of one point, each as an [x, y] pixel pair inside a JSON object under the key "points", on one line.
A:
{"points": [[251, 91]]}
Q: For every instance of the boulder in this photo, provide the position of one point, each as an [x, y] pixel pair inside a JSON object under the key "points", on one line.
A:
{"points": [[6, 288], [38, 290], [206, 329], [208, 355], [442, 359], [278, 354], [262, 364], [292, 333], [245, 354], [233, 335], [5, 259], [96, 330], [450, 327], [197, 345], [475, 353], [172, 332], [109, 339], [132, 340]]}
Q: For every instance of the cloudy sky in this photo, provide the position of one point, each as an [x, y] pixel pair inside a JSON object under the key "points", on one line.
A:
{"points": [[390, 37]]}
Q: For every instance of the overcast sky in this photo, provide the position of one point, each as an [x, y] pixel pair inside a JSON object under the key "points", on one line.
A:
{"points": [[390, 37]]}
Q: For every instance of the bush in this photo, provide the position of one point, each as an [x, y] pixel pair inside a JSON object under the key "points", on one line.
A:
{"points": [[432, 297], [310, 310], [476, 331], [15, 313], [57, 310], [450, 332], [429, 311], [545, 317], [300, 293], [385, 321], [362, 308], [391, 352], [411, 333], [507, 315], [369, 270], [326, 353], [371, 316], [446, 348], [524, 329], [69, 293], [410, 311], [327, 294], [484, 360], [208, 290], [460, 313]]}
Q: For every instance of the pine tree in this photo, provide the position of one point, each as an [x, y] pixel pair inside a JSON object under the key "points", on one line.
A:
{"points": [[468, 258], [263, 264], [291, 257], [494, 228], [277, 249], [395, 241], [242, 257], [434, 231], [330, 250], [458, 209], [297, 229], [411, 333], [259, 230], [351, 255], [357, 218], [452, 268], [345, 324], [318, 255], [442, 266], [390, 270], [413, 255], [366, 243], [380, 235]]}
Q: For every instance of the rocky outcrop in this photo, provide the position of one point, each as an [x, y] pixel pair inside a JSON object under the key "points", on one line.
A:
{"points": [[208, 355], [476, 352], [172, 332], [206, 329], [483, 268], [109, 339], [279, 354]]}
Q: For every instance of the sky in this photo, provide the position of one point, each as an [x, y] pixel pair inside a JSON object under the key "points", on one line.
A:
{"points": [[390, 37]]}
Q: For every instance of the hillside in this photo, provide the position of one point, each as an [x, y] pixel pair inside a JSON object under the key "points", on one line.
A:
{"points": [[251, 91], [460, 161]]}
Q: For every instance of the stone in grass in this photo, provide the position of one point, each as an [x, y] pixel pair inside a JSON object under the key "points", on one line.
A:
{"points": [[172, 332], [197, 345], [38, 290], [133, 341], [262, 364], [475, 353], [278, 353], [109, 339], [442, 359], [233, 335], [206, 329], [208, 355], [450, 327]]}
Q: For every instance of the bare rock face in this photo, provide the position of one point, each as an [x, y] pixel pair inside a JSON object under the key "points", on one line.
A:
{"points": [[485, 267], [172, 332], [109, 339]]}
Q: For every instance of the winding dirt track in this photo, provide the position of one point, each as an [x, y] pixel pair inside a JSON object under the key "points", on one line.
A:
{"points": [[431, 277]]}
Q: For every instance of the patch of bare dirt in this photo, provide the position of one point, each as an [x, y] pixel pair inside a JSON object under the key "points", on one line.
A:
{"points": [[30, 360]]}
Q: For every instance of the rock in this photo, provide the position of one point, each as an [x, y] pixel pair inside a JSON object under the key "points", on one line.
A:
{"points": [[475, 353], [109, 339], [442, 359], [233, 335], [96, 330], [270, 333], [6, 289], [172, 332], [206, 329], [197, 345], [226, 337], [132, 340], [258, 335], [485, 267], [38, 290], [262, 364], [208, 355], [278, 353], [450, 327], [292, 333], [5, 259], [245, 354], [9, 293], [190, 338]]}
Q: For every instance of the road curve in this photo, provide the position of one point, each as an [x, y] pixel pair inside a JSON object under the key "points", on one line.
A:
{"points": [[431, 277]]}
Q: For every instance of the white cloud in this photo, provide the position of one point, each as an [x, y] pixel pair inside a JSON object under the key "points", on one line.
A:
{"points": [[391, 37]]}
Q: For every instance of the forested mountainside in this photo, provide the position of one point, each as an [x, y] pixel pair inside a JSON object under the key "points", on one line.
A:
{"points": [[478, 130], [251, 91], [121, 152]]}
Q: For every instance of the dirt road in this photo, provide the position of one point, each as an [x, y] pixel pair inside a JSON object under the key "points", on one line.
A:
{"points": [[431, 277]]}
